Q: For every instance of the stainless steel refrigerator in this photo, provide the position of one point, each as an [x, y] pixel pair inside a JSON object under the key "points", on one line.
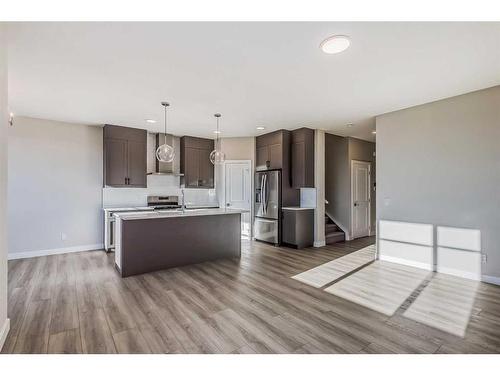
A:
{"points": [[267, 220]]}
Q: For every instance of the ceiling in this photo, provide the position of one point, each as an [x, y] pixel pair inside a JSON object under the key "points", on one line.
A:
{"points": [[255, 74]]}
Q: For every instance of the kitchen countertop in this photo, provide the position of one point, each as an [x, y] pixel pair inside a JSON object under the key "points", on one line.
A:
{"points": [[177, 213], [297, 208], [118, 209]]}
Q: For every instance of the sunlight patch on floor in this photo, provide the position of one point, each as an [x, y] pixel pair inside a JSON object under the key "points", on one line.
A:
{"points": [[335, 269], [445, 303], [380, 286]]}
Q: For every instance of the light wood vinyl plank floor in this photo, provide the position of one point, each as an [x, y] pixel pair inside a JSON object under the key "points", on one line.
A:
{"points": [[77, 303], [335, 269], [381, 286]]}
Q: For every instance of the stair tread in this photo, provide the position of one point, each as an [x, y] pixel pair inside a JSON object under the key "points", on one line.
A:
{"points": [[333, 234], [329, 228], [334, 237]]}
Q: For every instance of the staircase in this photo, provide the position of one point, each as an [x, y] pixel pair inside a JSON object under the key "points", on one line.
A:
{"points": [[333, 233]]}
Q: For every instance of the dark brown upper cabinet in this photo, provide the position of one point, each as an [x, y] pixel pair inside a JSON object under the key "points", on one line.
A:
{"points": [[303, 158], [272, 150], [195, 162], [125, 156]]}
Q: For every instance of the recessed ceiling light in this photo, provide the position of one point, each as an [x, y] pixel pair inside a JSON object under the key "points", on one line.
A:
{"points": [[150, 121], [216, 131], [374, 132], [261, 127], [335, 44], [350, 125]]}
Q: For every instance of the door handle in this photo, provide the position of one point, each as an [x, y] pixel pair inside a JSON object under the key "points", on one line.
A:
{"points": [[355, 204], [261, 192], [265, 194]]}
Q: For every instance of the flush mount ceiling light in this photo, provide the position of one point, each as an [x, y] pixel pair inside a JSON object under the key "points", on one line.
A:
{"points": [[350, 125], [164, 152], [374, 132], [335, 44], [261, 127], [150, 121], [217, 156]]}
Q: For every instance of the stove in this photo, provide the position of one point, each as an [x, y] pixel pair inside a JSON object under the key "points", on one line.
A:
{"points": [[155, 202], [163, 202]]}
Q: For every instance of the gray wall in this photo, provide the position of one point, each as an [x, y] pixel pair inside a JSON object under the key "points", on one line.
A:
{"points": [[439, 164], [55, 186], [337, 180], [339, 152], [3, 182]]}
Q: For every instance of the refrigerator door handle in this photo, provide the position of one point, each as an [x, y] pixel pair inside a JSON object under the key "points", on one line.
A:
{"points": [[265, 194], [263, 197]]}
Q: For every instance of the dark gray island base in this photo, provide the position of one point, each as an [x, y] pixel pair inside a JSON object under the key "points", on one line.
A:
{"points": [[152, 243]]}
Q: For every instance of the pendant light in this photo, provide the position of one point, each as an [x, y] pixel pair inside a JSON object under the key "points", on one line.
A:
{"points": [[217, 156], [164, 152]]}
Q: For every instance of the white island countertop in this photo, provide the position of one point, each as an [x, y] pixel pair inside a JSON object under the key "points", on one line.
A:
{"points": [[161, 214]]}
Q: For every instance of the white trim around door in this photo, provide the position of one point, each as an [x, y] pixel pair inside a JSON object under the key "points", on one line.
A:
{"points": [[247, 165], [356, 203]]}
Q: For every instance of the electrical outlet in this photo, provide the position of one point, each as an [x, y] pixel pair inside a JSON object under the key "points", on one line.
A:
{"points": [[484, 258], [63, 236]]}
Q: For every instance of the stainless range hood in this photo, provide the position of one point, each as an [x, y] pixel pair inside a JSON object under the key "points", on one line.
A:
{"points": [[156, 167]]}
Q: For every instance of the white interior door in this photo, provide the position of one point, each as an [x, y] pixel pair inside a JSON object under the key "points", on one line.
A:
{"points": [[238, 186], [360, 198]]}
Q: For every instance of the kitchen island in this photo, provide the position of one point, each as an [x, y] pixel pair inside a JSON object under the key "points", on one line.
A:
{"points": [[151, 241]]}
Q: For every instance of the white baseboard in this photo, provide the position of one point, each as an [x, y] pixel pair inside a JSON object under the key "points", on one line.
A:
{"points": [[62, 250], [4, 332], [406, 262], [319, 243], [449, 271], [491, 279], [459, 273]]}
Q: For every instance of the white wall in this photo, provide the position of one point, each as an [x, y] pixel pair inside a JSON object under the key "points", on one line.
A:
{"points": [[3, 184], [439, 164], [55, 186], [339, 154]]}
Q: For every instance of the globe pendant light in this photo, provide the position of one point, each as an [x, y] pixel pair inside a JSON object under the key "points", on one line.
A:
{"points": [[217, 156], [165, 153]]}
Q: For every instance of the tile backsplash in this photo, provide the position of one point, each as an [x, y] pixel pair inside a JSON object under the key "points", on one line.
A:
{"points": [[308, 197], [157, 185]]}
